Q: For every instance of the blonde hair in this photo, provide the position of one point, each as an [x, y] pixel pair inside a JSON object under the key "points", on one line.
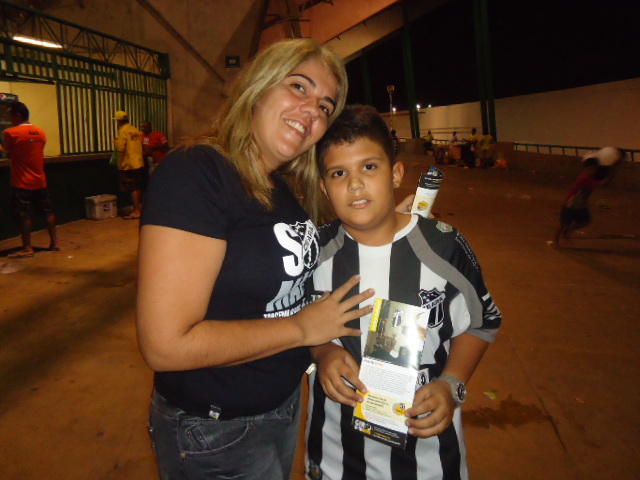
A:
{"points": [[232, 132]]}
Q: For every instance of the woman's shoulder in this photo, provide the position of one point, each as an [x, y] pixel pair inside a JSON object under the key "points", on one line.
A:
{"points": [[196, 154], [198, 160], [329, 231]]}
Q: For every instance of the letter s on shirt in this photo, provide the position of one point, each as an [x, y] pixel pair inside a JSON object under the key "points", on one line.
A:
{"points": [[290, 240]]}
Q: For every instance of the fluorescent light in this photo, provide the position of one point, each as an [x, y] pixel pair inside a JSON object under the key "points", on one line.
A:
{"points": [[35, 41]]}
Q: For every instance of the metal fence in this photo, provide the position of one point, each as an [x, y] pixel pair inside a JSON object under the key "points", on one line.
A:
{"points": [[95, 75], [578, 151]]}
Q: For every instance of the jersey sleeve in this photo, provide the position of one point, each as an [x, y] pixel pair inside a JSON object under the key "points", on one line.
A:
{"points": [[459, 265], [485, 318], [192, 190]]}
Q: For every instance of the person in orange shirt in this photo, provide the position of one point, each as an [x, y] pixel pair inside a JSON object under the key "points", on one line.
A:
{"points": [[24, 144]]}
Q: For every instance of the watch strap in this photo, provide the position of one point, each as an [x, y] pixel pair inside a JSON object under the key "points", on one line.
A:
{"points": [[458, 388]]}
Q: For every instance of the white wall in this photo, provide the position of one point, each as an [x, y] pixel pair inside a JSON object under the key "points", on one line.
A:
{"points": [[597, 115], [594, 116]]}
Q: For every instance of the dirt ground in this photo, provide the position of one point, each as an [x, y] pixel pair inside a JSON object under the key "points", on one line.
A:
{"points": [[554, 398]]}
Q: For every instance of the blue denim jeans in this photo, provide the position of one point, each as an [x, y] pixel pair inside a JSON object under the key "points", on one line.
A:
{"points": [[187, 447]]}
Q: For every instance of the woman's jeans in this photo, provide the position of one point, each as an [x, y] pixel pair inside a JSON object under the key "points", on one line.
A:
{"points": [[261, 447]]}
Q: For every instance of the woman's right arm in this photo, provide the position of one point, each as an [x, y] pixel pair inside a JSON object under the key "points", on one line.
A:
{"points": [[177, 273]]}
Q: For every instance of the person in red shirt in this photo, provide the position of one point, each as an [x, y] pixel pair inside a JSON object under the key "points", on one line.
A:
{"points": [[575, 212], [24, 144], [154, 145]]}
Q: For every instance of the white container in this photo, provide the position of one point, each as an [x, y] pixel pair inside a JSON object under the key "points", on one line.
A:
{"points": [[427, 191], [101, 207]]}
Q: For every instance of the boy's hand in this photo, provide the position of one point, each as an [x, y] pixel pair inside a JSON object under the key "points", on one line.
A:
{"points": [[436, 398], [335, 364]]}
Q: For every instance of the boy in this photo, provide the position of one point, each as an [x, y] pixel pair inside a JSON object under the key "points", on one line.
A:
{"points": [[406, 258], [575, 212]]}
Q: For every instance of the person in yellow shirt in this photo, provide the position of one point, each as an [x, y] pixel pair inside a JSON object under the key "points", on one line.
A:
{"points": [[473, 141], [487, 145], [133, 174], [428, 146]]}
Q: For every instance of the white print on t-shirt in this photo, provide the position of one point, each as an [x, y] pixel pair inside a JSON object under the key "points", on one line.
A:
{"points": [[300, 239], [433, 300]]}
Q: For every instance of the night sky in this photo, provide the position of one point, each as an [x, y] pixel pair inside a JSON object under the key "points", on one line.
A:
{"points": [[535, 47]]}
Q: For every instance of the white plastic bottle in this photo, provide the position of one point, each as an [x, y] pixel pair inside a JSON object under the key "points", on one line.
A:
{"points": [[427, 191]]}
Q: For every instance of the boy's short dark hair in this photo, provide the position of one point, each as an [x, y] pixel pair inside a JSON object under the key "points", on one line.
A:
{"points": [[356, 122], [590, 162], [19, 108]]}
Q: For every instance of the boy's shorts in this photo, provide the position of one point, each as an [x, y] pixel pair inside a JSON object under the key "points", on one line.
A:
{"points": [[569, 216], [132, 180], [23, 198]]}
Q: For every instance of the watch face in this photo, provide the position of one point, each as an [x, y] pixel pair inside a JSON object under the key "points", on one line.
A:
{"points": [[462, 392]]}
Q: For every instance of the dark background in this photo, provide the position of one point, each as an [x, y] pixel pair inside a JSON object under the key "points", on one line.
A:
{"points": [[536, 46]]}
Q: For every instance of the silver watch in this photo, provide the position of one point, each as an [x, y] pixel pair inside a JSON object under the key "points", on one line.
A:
{"points": [[458, 388]]}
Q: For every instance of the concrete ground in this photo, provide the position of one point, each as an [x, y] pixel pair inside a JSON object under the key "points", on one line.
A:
{"points": [[555, 397]]}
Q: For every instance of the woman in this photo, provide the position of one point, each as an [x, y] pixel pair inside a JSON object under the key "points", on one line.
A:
{"points": [[225, 249]]}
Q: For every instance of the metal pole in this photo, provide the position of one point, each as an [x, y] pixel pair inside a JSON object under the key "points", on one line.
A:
{"points": [[366, 79], [408, 72], [390, 89], [482, 90], [488, 68]]}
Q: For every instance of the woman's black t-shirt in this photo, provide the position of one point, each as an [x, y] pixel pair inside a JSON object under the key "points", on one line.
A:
{"points": [[269, 256]]}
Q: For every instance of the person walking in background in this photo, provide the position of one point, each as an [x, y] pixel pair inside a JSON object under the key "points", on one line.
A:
{"points": [[133, 174], [575, 212], [24, 144], [154, 145]]}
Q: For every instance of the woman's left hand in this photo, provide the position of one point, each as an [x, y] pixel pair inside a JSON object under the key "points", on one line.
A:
{"points": [[405, 205]]}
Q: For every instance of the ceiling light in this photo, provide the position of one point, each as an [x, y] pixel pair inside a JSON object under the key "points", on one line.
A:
{"points": [[35, 41]]}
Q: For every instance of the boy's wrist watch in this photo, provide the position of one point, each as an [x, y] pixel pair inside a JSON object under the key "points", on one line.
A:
{"points": [[458, 388]]}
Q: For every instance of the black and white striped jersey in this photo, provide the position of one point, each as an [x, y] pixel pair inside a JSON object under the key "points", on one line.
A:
{"points": [[428, 264]]}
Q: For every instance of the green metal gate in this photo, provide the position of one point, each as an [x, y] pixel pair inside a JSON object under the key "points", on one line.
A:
{"points": [[95, 74]]}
